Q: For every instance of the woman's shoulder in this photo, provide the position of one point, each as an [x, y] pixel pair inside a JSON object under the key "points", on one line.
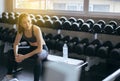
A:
{"points": [[36, 28]]}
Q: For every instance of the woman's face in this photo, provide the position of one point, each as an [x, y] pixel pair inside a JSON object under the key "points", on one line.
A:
{"points": [[26, 23]]}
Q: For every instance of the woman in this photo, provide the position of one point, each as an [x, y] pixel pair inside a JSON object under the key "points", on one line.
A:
{"points": [[38, 49]]}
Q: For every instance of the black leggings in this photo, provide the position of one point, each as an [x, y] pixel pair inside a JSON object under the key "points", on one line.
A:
{"points": [[38, 58]]}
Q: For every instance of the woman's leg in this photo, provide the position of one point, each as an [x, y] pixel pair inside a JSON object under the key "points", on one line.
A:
{"points": [[38, 64], [11, 63]]}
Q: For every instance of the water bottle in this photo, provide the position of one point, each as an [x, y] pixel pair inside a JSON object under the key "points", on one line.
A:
{"points": [[65, 51]]}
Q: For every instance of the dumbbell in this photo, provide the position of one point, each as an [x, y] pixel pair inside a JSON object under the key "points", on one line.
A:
{"points": [[48, 37], [72, 43], [108, 29], [117, 30], [46, 17], [75, 27], [54, 18], [113, 23], [102, 24], [32, 16], [12, 35], [63, 19], [80, 22], [11, 18], [54, 41], [34, 21], [92, 48], [61, 42], [37, 17], [66, 25], [85, 27], [57, 24], [3, 33], [48, 23], [104, 50], [97, 28], [72, 20], [115, 52], [80, 47], [40, 23], [90, 22], [5, 17]]}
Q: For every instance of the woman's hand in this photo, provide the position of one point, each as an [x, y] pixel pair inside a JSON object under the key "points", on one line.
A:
{"points": [[19, 58]]}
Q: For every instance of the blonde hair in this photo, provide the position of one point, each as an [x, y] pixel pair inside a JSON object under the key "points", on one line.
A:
{"points": [[21, 16]]}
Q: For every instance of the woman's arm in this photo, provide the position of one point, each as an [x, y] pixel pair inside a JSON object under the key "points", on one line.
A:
{"points": [[16, 43], [38, 34]]}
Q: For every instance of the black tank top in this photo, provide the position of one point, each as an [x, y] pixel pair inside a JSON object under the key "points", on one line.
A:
{"points": [[30, 39]]}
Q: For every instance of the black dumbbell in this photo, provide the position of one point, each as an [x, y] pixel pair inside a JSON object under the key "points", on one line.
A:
{"points": [[85, 27], [47, 39], [63, 19], [66, 25], [72, 20], [92, 48], [115, 52], [46, 17], [54, 18], [48, 23], [34, 21], [4, 33], [37, 17], [113, 23], [97, 28], [80, 47], [117, 30], [57, 24], [80, 22], [40, 23], [108, 29], [104, 50], [90, 22], [75, 27], [72, 43], [102, 24]]}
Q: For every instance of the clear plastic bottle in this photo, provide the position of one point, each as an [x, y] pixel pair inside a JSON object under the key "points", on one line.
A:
{"points": [[65, 51]]}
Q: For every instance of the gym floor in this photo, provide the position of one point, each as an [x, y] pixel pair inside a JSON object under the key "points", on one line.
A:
{"points": [[96, 73]]}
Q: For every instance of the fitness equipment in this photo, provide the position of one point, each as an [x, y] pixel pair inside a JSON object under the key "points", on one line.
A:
{"points": [[72, 43], [104, 50], [85, 27], [48, 23], [113, 23], [90, 22], [81, 46], [80, 22], [66, 25], [72, 20], [97, 28], [102, 24], [92, 48], [54, 18], [46, 17], [63, 19], [115, 52], [34, 21], [5, 17], [75, 27], [37, 17], [40, 23], [57, 24], [117, 30], [108, 29]]}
